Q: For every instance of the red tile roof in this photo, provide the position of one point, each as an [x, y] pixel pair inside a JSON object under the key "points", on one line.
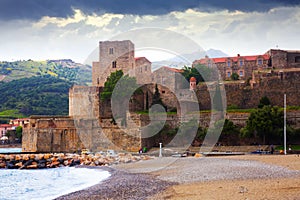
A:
{"points": [[139, 58], [234, 59], [6, 125], [173, 69], [193, 79]]}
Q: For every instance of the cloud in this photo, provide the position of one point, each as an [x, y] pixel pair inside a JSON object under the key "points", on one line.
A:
{"points": [[37, 9], [78, 34]]}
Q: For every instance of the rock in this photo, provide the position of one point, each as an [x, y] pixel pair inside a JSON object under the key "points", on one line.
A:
{"points": [[54, 164], [32, 156], [25, 157], [19, 164], [2, 164], [87, 162], [60, 160], [197, 155], [75, 162], [32, 166], [66, 163], [47, 156], [18, 157], [11, 165], [26, 163], [41, 165]]}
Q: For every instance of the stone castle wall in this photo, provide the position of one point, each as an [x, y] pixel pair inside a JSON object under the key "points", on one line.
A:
{"points": [[50, 134], [84, 102], [113, 56], [143, 72]]}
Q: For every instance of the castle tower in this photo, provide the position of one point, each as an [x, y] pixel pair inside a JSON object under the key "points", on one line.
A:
{"points": [[193, 83], [113, 56]]}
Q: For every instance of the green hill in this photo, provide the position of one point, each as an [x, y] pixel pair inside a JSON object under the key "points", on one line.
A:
{"points": [[64, 69], [37, 95]]}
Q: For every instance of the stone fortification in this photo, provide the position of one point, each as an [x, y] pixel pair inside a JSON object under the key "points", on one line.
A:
{"points": [[90, 123]]}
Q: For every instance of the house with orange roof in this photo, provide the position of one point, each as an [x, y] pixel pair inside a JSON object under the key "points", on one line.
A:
{"points": [[245, 65]]}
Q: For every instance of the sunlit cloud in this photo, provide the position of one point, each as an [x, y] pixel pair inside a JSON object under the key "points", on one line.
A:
{"points": [[76, 35]]}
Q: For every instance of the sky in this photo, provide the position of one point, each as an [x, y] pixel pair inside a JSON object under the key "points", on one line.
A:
{"points": [[57, 29]]}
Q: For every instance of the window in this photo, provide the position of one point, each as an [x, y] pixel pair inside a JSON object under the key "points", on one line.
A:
{"points": [[228, 63], [241, 62], [145, 68], [141, 69], [297, 59], [114, 64], [241, 73], [259, 62], [111, 50], [228, 74], [209, 64]]}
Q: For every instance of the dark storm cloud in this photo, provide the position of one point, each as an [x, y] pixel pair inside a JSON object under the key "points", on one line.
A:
{"points": [[35, 9]]}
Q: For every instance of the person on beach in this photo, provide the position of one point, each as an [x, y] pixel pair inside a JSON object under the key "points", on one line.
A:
{"points": [[272, 149]]}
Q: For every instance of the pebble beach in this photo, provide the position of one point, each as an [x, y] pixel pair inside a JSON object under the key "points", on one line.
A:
{"points": [[200, 178]]}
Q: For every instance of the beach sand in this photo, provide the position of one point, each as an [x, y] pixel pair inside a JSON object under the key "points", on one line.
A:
{"points": [[264, 188], [231, 177]]}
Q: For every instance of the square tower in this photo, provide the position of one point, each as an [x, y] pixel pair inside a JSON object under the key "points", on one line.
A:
{"points": [[113, 56]]}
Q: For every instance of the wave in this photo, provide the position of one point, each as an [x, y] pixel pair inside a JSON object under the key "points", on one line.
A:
{"points": [[47, 184]]}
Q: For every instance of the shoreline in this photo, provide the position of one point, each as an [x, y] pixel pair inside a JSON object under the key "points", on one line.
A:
{"points": [[121, 185], [177, 181]]}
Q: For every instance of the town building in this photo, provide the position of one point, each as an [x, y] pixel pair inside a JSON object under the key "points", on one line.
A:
{"points": [[244, 66]]}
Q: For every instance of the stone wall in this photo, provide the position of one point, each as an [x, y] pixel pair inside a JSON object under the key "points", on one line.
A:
{"points": [[143, 71], [50, 134], [113, 56], [282, 59], [84, 102]]}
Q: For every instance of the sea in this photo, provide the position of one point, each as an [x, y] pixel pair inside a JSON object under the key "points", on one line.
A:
{"points": [[46, 184]]}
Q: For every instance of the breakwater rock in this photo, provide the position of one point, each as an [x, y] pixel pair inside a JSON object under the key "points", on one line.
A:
{"points": [[53, 160]]}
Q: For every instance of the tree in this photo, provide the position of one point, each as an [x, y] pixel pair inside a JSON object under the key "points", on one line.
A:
{"points": [[230, 133], [110, 84], [119, 89], [200, 72], [19, 131], [156, 97], [264, 123], [264, 101], [234, 76]]}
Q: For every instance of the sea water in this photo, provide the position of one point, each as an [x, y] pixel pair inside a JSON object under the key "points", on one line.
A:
{"points": [[44, 184], [10, 150]]}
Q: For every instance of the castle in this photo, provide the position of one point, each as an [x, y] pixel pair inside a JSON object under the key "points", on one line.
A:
{"points": [[90, 125]]}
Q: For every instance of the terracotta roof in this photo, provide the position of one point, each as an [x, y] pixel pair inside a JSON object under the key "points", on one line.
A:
{"points": [[234, 59], [173, 69], [193, 79], [6, 125], [139, 58]]}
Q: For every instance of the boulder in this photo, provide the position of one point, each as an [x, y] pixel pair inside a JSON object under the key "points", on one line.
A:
{"points": [[2, 164], [19, 164], [32, 166]]}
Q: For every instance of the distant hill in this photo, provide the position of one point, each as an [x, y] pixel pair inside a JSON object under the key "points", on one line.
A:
{"points": [[37, 95], [64, 69], [214, 53], [187, 59]]}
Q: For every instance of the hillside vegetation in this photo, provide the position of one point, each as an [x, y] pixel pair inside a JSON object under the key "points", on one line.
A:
{"points": [[63, 69], [38, 95], [38, 87]]}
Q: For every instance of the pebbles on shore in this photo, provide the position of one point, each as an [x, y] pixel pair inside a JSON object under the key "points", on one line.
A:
{"points": [[52, 160], [121, 186]]}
